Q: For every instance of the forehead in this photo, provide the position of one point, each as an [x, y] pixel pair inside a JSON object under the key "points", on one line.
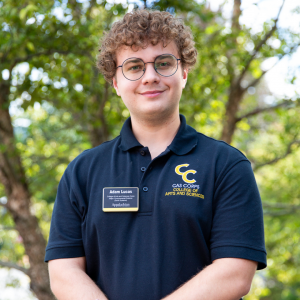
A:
{"points": [[147, 54]]}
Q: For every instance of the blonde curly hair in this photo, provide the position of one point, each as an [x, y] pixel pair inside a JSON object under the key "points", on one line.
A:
{"points": [[139, 28]]}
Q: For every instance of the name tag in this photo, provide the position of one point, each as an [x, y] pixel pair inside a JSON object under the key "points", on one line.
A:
{"points": [[116, 199]]}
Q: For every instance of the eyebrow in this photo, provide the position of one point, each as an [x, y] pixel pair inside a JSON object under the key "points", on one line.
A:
{"points": [[134, 60]]}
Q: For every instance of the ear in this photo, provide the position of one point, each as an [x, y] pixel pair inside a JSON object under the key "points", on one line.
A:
{"points": [[184, 77], [115, 84]]}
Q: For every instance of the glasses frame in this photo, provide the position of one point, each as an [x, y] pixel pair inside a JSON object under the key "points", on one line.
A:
{"points": [[149, 62]]}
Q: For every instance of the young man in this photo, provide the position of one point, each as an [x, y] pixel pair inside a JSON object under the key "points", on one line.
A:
{"points": [[161, 211]]}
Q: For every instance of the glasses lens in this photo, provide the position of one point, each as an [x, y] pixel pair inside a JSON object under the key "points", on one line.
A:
{"points": [[166, 65], [133, 68]]}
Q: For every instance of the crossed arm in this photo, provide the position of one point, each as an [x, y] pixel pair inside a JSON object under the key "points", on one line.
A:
{"points": [[224, 279], [69, 280]]}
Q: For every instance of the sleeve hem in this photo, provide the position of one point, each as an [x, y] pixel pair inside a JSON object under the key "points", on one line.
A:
{"points": [[240, 252], [234, 244], [64, 252]]}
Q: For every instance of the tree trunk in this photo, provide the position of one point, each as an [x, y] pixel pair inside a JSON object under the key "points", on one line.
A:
{"points": [[232, 107], [235, 24], [12, 176], [98, 135], [235, 92], [99, 132]]}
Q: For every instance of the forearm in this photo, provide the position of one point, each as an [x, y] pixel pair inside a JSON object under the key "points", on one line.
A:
{"points": [[75, 285], [70, 282], [218, 281]]}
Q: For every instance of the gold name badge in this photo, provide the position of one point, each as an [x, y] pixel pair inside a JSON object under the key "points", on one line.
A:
{"points": [[120, 199]]}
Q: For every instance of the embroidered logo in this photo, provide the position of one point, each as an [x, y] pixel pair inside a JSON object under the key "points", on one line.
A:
{"points": [[184, 174]]}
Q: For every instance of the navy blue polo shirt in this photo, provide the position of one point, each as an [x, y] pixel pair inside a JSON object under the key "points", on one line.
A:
{"points": [[198, 202]]}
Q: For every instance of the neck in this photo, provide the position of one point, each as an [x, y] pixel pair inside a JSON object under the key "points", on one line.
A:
{"points": [[157, 136]]}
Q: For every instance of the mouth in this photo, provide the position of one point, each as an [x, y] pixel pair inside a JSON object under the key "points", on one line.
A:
{"points": [[152, 94]]}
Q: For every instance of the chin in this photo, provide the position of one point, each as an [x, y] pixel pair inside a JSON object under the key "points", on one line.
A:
{"points": [[156, 114]]}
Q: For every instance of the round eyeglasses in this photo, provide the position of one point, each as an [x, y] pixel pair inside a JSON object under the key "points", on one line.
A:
{"points": [[134, 68]]}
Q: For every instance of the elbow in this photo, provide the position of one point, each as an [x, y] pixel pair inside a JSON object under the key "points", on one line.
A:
{"points": [[245, 286], [56, 281], [58, 287], [54, 285]]}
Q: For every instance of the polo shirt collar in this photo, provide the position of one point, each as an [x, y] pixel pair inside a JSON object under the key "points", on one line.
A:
{"points": [[128, 139], [184, 141]]}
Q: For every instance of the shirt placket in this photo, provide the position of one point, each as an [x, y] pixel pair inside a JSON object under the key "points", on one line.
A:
{"points": [[148, 183], [144, 161]]}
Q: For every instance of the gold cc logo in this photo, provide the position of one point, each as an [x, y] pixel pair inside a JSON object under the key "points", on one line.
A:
{"points": [[184, 174]]}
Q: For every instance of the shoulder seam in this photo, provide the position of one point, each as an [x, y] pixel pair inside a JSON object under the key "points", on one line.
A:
{"points": [[219, 141]]}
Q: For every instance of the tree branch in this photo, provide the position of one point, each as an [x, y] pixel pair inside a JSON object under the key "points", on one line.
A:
{"points": [[257, 80], [275, 160], [269, 108], [285, 209], [14, 266], [280, 205], [258, 47], [279, 213]]}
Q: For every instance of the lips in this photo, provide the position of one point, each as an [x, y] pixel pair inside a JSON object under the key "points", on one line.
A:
{"points": [[152, 93]]}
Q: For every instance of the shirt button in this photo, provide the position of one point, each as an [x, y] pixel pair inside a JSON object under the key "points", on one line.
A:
{"points": [[143, 169], [145, 189], [142, 152]]}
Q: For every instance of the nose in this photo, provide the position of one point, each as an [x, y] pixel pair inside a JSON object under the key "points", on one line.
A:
{"points": [[150, 76]]}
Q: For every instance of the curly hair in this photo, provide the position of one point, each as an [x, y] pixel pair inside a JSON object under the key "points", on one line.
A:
{"points": [[139, 28]]}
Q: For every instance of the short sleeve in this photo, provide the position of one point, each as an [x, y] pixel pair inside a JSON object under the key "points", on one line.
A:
{"points": [[65, 239], [238, 229]]}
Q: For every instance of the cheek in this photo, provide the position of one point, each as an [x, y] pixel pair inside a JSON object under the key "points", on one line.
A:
{"points": [[125, 87], [177, 85], [127, 91]]}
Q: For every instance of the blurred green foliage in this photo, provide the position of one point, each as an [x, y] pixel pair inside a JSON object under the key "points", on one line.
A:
{"points": [[49, 48]]}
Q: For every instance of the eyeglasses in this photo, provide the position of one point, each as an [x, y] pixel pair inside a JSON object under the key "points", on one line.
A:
{"points": [[134, 68]]}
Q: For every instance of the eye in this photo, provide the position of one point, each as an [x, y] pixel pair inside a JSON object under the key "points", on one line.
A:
{"points": [[134, 68], [163, 64]]}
